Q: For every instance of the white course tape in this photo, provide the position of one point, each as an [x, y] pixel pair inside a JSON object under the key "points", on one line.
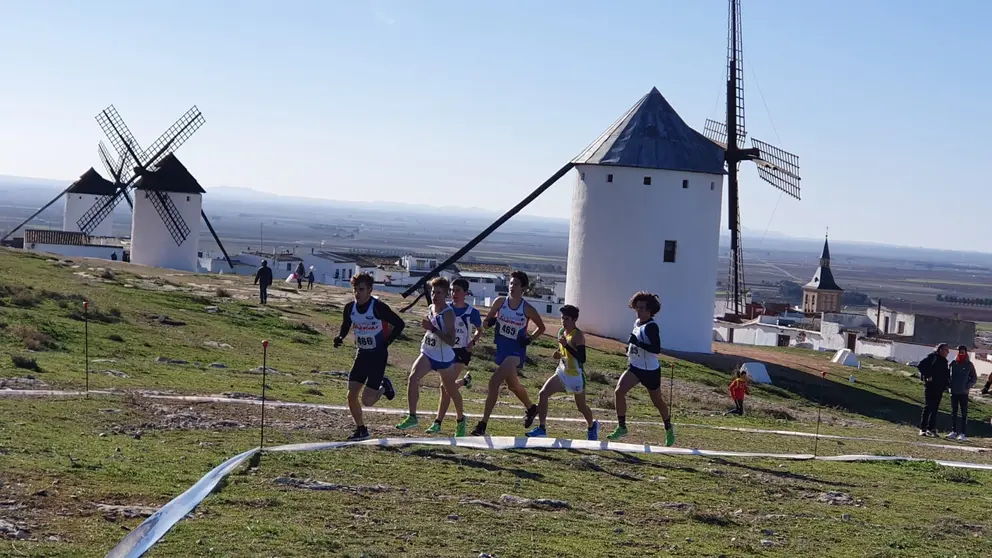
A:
{"points": [[155, 527], [403, 412]]}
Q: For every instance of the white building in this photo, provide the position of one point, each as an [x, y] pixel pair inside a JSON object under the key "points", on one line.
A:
{"points": [[646, 217], [83, 194], [74, 244], [157, 220]]}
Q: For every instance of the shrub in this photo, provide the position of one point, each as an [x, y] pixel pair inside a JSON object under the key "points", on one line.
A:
{"points": [[606, 401], [25, 299], [108, 274], [115, 338], [223, 293], [305, 328], [25, 363], [33, 339], [94, 314], [598, 377]]}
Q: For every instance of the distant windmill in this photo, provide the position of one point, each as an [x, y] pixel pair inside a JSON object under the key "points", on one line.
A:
{"points": [[775, 166], [145, 162]]}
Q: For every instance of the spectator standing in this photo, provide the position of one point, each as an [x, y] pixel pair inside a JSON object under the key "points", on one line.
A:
{"points": [[310, 279], [738, 391], [299, 274], [935, 374], [263, 278], [963, 378]]}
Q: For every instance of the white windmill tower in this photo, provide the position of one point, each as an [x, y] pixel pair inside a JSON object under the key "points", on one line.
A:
{"points": [[165, 230], [90, 189], [646, 217]]}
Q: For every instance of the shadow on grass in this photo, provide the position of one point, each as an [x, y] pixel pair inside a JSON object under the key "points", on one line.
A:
{"points": [[781, 474], [459, 459], [847, 397]]}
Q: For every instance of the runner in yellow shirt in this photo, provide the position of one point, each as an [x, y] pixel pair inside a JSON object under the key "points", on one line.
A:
{"points": [[570, 376]]}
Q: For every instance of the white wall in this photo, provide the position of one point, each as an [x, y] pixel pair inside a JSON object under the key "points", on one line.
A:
{"points": [[894, 317], [78, 204], [151, 242], [616, 245], [69, 251]]}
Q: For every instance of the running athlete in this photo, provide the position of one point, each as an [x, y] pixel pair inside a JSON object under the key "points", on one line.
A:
{"points": [[467, 318], [376, 326], [643, 366], [570, 376], [436, 353], [511, 314]]}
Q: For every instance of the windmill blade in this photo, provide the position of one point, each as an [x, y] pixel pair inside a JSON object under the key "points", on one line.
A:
{"points": [[717, 133], [489, 230], [105, 205], [108, 162], [36, 213], [778, 167], [216, 239], [735, 71], [170, 215], [171, 139], [120, 137]]}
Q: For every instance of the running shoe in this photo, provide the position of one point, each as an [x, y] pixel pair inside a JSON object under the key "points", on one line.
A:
{"points": [[434, 428], [387, 388], [592, 433], [480, 429], [529, 417], [618, 432], [537, 432], [460, 428], [360, 433], [670, 436], [409, 422], [467, 378]]}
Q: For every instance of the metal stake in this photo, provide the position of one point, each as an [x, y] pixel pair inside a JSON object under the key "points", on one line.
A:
{"points": [[265, 369], [86, 343]]}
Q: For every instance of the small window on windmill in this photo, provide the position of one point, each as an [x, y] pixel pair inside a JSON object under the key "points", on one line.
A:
{"points": [[712, 186], [187, 198], [685, 183], [609, 178], [647, 180], [287, 267], [670, 248], [583, 175]]}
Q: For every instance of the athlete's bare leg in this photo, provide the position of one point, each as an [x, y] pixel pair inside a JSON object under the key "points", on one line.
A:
{"points": [[355, 402], [627, 382], [420, 368], [583, 407], [659, 403], [552, 386], [442, 406], [448, 378]]}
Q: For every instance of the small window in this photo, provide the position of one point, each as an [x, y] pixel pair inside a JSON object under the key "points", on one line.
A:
{"points": [[685, 183], [901, 327], [187, 198], [549, 309], [288, 268], [583, 175], [712, 186], [670, 247], [609, 178], [647, 180]]}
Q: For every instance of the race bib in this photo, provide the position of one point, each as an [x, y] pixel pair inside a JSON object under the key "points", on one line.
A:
{"points": [[508, 330], [633, 350], [461, 332], [430, 340], [365, 341]]}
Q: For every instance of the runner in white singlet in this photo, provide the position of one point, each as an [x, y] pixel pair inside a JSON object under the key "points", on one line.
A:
{"points": [[436, 353], [468, 329]]}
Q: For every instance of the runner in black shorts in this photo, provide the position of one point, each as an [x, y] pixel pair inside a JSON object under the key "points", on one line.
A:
{"points": [[375, 326], [644, 367]]}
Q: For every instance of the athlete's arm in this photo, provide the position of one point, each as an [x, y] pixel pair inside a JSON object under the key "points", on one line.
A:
{"points": [[491, 316], [654, 339], [532, 314], [578, 350], [383, 312], [476, 320], [345, 323], [448, 335]]}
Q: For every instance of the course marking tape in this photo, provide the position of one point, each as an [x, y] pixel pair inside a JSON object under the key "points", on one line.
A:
{"points": [[398, 412], [138, 542]]}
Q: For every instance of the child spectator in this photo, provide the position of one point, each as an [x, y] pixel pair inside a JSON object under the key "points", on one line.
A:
{"points": [[738, 390]]}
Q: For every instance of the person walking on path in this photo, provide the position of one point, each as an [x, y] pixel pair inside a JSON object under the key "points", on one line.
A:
{"points": [[963, 378], [263, 278], [935, 374], [300, 273], [310, 279]]}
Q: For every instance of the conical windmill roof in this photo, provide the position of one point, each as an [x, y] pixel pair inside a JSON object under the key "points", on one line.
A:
{"points": [[92, 183], [652, 135], [170, 176]]}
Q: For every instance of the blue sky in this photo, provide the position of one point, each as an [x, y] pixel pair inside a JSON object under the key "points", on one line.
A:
{"points": [[475, 104]]}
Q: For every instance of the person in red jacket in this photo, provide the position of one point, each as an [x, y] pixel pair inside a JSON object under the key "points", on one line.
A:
{"points": [[739, 389]]}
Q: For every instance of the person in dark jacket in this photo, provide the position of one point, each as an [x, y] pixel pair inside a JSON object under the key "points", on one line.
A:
{"points": [[300, 274], [963, 378], [263, 278], [936, 376], [310, 279]]}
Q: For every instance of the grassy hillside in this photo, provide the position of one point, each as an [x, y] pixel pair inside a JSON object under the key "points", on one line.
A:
{"points": [[64, 461]]}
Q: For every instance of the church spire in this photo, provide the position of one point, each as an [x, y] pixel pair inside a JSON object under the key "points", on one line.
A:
{"points": [[825, 255]]}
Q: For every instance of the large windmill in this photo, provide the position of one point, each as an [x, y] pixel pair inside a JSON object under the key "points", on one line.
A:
{"points": [[775, 166]]}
